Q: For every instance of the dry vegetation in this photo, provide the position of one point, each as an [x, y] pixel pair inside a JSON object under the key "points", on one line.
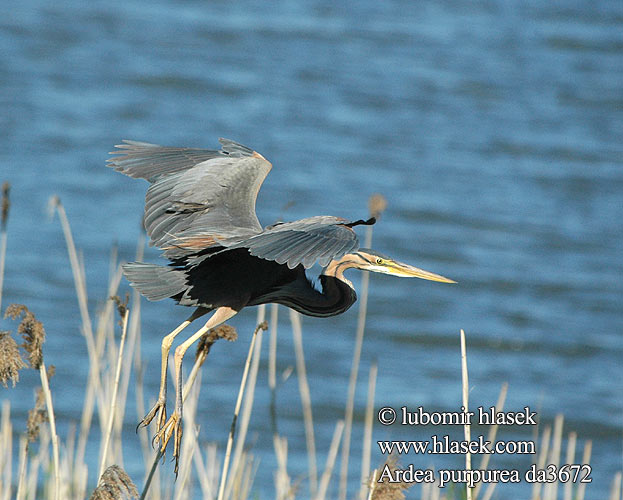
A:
{"points": [[51, 467]]}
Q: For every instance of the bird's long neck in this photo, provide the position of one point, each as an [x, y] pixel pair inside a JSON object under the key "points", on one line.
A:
{"points": [[337, 293]]}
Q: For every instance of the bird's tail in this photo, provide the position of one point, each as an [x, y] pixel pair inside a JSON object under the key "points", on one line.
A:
{"points": [[155, 282]]}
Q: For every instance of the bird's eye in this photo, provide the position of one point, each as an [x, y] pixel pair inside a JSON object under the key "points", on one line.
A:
{"points": [[379, 261]]}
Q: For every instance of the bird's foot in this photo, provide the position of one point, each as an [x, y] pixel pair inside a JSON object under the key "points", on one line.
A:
{"points": [[159, 408], [172, 427]]}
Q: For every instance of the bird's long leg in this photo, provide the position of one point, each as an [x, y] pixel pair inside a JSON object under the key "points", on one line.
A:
{"points": [[161, 403], [173, 425]]}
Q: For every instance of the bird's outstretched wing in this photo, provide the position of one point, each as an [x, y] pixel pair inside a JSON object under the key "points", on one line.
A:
{"points": [[315, 239], [197, 197]]}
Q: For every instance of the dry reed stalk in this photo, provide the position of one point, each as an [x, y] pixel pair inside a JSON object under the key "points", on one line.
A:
{"points": [[615, 489], [113, 400], [94, 390], [134, 328], [570, 459], [6, 446], [542, 457], [372, 483], [328, 470], [586, 458], [489, 491], [36, 462], [232, 429], [484, 463], [36, 417], [467, 427], [23, 462], [297, 336], [143, 431], [377, 205], [202, 475], [93, 384], [52, 421], [272, 366], [436, 494], [55, 205], [283, 485], [247, 408], [550, 492], [367, 430], [189, 443]]}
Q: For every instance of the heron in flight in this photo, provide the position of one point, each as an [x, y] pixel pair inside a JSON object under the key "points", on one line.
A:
{"points": [[200, 210]]}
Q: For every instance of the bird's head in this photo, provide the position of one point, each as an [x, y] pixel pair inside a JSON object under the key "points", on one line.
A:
{"points": [[370, 260]]}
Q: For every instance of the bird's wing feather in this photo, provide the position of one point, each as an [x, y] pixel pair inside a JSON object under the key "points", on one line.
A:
{"points": [[143, 160], [197, 197], [315, 239]]}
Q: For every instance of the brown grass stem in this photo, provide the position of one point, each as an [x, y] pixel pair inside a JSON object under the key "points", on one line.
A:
{"points": [[297, 336]]}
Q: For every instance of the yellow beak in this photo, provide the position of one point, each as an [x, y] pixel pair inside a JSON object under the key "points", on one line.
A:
{"points": [[405, 270]]}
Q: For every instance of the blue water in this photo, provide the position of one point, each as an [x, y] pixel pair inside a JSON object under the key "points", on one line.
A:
{"points": [[494, 130]]}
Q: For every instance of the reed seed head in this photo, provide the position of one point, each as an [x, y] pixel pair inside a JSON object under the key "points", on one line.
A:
{"points": [[31, 330], [37, 416], [122, 306], [6, 204], [389, 490], [53, 203], [206, 341], [115, 484], [377, 205], [11, 361]]}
